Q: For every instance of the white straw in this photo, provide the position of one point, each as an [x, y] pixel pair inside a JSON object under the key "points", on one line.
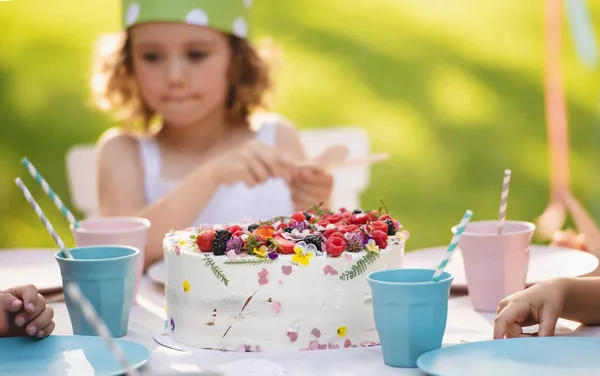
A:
{"points": [[503, 201]]}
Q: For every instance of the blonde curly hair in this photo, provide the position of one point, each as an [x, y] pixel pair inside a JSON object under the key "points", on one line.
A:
{"points": [[114, 88]]}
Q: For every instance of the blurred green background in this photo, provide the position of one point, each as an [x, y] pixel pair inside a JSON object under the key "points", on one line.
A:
{"points": [[452, 89]]}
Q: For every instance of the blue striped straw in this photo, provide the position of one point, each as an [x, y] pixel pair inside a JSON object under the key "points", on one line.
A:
{"points": [[43, 218], [452, 246], [73, 289], [53, 196]]}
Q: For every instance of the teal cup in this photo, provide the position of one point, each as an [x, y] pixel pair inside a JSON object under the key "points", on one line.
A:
{"points": [[410, 313], [106, 277]]}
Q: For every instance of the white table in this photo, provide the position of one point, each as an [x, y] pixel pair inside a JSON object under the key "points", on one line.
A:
{"points": [[464, 324]]}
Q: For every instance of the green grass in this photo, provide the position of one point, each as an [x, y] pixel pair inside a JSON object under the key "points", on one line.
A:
{"points": [[452, 89]]}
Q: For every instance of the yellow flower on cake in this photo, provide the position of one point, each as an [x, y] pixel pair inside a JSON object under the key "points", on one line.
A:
{"points": [[186, 286], [262, 251], [371, 246], [341, 331], [303, 253]]}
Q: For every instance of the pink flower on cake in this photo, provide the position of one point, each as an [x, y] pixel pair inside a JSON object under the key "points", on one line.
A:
{"points": [[276, 307], [333, 346], [328, 269], [231, 254], [295, 235], [262, 277], [313, 345], [347, 343], [348, 257], [303, 253], [286, 269]]}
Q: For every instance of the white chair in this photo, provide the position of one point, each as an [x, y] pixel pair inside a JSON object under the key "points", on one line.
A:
{"points": [[349, 182]]}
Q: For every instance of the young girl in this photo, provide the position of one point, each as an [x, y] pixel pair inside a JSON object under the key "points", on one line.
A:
{"points": [[576, 299], [23, 311], [189, 64]]}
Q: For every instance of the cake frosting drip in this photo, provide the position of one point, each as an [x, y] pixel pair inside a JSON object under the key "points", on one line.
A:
{"points": [[274, 300]]}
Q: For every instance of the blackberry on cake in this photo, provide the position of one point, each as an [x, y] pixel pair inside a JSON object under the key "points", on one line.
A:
{"points": [[391, 228], [315, 240], [219, 247], [253, 227]]}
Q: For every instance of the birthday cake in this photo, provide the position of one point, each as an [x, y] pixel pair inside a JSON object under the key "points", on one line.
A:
{"points": [[286, 284]]}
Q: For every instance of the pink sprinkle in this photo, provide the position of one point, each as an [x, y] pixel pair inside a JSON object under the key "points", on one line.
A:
{"points": [[348, 256], [241, 348], [231, 254], [334, 345], [313, 345], [286, 269], [281, 282], [276, 307], [262, 277], [328, 269], [243, 255], [293, 336], [177, 249], [263, 273], [347, 343], [369, 344], [316, 332], [258, 348], [323, 347]]}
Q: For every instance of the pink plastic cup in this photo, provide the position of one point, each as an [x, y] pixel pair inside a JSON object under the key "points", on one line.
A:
{"points": [[130, 231], [495, 265]]}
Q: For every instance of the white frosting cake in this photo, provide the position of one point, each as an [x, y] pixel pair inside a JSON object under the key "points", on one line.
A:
{"points": [[272, 301]]}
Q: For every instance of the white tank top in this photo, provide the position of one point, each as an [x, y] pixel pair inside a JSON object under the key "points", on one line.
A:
{"points": [[231, 204]]}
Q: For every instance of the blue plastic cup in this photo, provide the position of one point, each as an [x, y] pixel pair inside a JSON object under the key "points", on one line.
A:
{"points": [[410, 313], [106, 277]]}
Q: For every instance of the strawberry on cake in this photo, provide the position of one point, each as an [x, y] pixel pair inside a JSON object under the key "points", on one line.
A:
{"points": [[283, 284]]}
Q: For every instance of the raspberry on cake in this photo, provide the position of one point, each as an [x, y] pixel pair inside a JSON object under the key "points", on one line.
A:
{"points": [[283, 284]]}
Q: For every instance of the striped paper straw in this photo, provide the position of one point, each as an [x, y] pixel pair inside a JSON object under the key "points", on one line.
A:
{"points": [[42, 217], [503, 201], [73, 290], [53, 196], [452, 246]]}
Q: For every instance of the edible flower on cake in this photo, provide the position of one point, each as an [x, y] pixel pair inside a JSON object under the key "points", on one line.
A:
{"points": [[303, 235]]}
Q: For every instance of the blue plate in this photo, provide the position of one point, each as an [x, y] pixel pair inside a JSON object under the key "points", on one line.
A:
{"points": [[547, 356], [66, 355]]}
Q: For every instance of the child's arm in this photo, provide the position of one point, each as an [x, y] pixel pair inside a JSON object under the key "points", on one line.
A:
{"points": [[309, 186], [121, 184], [582, 300], [576, 299]]}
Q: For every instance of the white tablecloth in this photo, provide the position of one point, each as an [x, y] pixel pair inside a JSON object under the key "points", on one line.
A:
{"points": [[464, 324]]}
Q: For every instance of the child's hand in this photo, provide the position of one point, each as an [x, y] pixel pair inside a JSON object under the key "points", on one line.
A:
{"points": [[24, 312], [252, 162], [540, 304], [311, 186]]}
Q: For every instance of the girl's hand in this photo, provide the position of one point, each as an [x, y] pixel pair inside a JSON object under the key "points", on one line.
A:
{"points": [[311, 186], [540, 304], [251, 162], [23, 311]]}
